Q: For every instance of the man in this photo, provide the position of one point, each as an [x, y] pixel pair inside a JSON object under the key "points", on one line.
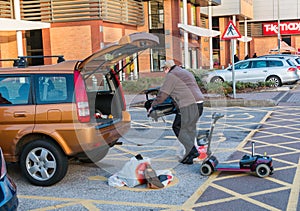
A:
{"points": [[181, 85], [4, 100], [236, 58]]}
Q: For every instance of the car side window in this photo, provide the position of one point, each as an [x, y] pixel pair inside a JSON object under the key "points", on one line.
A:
{"points": [[52, 89], [242, 65], [259, 64], [14, 90], [273, 63]]}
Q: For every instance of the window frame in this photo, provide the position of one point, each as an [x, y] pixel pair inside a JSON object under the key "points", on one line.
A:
{"points": [[69, 87], [14, 100]]}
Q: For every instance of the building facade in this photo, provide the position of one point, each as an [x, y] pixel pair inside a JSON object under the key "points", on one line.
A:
{"points": [[257, 20], [81, 27]]}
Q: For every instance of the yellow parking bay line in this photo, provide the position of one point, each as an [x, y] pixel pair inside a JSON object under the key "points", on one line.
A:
{"points": [[91, 204], [294, 195]]}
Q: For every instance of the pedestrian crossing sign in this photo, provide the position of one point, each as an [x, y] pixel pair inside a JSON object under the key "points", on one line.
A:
{"points": [[231, 32]]}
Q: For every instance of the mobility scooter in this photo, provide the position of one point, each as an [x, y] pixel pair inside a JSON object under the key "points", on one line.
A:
{"points": [[261, 165]]}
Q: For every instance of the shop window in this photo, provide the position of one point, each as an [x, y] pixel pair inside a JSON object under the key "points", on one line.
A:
{"points": [[287, 39], [34, 47], [193, 16], [158, 58], [156, 14], [156, 26]]}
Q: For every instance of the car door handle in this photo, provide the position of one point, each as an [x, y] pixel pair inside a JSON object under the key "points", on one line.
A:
{"points": [[20, 114], [265, 71]]}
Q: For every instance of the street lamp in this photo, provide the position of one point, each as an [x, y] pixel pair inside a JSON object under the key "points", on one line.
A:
{"points": [[185, 36], [278, 25]]}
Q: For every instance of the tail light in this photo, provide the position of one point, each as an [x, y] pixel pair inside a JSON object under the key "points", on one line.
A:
{"points": [[298, 67], [292, 69], [3, 165], [82, 104]]}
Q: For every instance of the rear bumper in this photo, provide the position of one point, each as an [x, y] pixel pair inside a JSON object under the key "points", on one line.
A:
{"points": [[289, 78], [90, 138]]}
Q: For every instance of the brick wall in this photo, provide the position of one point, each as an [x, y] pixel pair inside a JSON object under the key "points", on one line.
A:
{"points": [[8, 47]]}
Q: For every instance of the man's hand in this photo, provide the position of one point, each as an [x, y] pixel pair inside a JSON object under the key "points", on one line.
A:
{"points": [[152, 113], [149, 111]]}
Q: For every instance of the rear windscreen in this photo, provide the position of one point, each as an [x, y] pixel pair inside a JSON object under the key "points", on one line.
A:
{"points": [[297, 60], [98, 82], [291, 63]]}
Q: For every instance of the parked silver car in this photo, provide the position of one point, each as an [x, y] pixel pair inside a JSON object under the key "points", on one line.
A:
{"points": [[279, 71], [292, 57]]}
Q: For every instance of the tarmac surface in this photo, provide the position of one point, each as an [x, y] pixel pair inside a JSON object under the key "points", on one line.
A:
{"points": [[270, 119], [279, 137]]}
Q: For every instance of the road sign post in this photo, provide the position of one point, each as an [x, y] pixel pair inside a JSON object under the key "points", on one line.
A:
{"points": [[230, 33], [233, 70]]}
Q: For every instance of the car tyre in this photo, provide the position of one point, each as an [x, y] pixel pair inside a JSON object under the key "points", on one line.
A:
{"points": [[206, 169], [43, 163], [216, 80], [275, 80], [262, 170]]}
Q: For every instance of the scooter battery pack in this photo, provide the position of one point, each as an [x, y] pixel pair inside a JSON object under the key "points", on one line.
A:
{"points": [[246, 161]]}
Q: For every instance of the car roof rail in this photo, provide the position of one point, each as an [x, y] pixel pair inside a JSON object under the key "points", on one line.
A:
{"points": [[21, 61], [15, 61], [272, 57]]}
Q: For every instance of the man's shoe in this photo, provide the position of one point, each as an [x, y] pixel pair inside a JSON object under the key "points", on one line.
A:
{"points": [[188, 159], [152, 179]]}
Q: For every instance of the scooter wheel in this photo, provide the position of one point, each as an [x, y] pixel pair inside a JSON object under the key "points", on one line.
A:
{"points": [[205, 169], [262, 170]]}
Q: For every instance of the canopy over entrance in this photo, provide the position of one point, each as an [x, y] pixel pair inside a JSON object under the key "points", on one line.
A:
{"points": [[284, 48], [245, 39], [7, 24], [202, 32]]}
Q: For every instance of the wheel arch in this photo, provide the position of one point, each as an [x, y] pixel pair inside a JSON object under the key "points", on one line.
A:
{"points": [[277, 76], [40, 136], [216, 77]]}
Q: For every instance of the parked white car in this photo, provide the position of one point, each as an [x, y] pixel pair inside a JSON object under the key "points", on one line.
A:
{"points": [[279, 71], [292, 57]]}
